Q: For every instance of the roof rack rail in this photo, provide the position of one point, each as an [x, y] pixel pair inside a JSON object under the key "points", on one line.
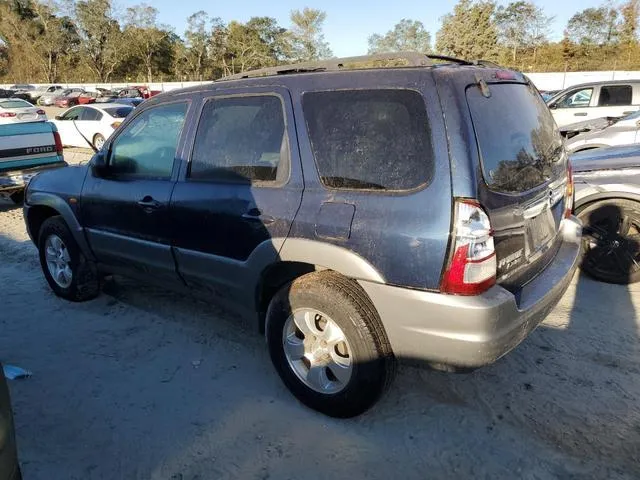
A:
{"points": [[413, 59], [449, 59], [487, 63]]}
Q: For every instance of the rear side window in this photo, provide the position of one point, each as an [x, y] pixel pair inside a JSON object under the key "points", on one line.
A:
{"points": [[615, 96], [370, 139], [89, 114], [519, 144], [241, 139]]}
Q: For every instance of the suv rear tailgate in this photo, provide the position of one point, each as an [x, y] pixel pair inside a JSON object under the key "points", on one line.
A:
{"points": [[523, 176]]}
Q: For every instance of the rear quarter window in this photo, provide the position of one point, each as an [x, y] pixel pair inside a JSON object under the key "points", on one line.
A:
{"points": [[370, 139]]}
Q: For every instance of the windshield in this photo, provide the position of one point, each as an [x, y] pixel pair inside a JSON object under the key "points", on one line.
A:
{"points": [[519, 143]]}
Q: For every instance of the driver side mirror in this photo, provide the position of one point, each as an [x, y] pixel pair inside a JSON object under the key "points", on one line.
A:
{"points": [[553, 106], [58, 117], [99, 165]]}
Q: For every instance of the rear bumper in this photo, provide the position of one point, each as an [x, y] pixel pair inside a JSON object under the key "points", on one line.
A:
{"points": [[473, 331], [16, 180]]}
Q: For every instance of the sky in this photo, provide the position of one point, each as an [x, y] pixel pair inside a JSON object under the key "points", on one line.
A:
{"points": [[349, 22]]}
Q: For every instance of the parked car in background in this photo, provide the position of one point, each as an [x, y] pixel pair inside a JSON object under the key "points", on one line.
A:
{"points": [[609, 132], [364, 228], [22, 87], [94, 124], [69, 100], [87, 98], [607, 182], [49, 99], [6, 93], [548, 94], [14, 110], [27, 149], [595, 100], [133, 102], [138, 91], [34, 95], [9, 466]]}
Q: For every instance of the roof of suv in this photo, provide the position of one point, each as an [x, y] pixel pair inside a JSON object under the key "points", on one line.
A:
{"points": [[370, 63]]}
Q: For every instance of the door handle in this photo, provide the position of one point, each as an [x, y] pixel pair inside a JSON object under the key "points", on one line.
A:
{"points": [[628, 112], [256, 215], [148, 204], [579, 114]]}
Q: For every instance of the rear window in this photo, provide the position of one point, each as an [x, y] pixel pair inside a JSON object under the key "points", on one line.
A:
{"points": [[120, 112], [370, 139], [615, 96], [14, 104], [520, 146]]}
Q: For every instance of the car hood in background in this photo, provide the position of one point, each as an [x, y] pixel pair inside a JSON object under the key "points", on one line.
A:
{"points": [[606, 158]]}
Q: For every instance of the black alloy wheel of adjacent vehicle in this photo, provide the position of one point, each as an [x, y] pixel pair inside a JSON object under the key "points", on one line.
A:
{"points": [[328, 344], [611, 241]]}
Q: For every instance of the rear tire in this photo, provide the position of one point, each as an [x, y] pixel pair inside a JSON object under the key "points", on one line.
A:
{"points": [[611, 241], [341, 332], [76, 278]]}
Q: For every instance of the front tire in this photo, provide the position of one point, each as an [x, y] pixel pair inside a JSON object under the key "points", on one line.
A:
{"points": [[328, 344], [611, 241], [69, 273]]}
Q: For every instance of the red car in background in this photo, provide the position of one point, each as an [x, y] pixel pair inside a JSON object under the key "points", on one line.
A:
{"points": [[70, 100], [87, 97]]}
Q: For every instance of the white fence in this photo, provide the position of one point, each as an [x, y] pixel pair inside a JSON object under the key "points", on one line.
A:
{"points": [[544, 81]]}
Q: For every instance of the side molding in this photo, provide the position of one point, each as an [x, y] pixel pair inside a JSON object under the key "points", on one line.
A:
{"points": [[331, 257]]}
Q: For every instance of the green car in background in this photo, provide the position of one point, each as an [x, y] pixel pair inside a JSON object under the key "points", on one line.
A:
{"points": [[27, 149]]}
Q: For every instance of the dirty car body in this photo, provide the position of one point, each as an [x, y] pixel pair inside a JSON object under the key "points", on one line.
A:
{"points": [[385, 191]]}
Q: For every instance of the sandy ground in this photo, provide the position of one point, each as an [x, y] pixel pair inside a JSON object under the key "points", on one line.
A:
{"points": [[144, 384]]}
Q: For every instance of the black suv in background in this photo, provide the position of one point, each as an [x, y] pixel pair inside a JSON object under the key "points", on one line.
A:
{"points": [[364, 215]]}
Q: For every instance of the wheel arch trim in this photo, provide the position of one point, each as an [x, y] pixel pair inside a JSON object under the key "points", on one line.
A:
{"points": [[57, 203]]}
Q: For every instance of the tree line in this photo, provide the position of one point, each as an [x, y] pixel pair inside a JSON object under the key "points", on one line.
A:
{"points": [[91, 41]]}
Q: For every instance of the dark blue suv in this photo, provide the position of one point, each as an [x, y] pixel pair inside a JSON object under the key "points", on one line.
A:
{"points": [[362, 215]]}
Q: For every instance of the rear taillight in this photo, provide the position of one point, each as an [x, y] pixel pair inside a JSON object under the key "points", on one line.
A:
{"points": [[472, 266], [115, 125], [8, 115], [58, 140], [41, 112], [569, 198]]}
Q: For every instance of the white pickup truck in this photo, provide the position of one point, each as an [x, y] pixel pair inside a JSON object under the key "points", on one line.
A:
{"points": [[26, 149]]}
